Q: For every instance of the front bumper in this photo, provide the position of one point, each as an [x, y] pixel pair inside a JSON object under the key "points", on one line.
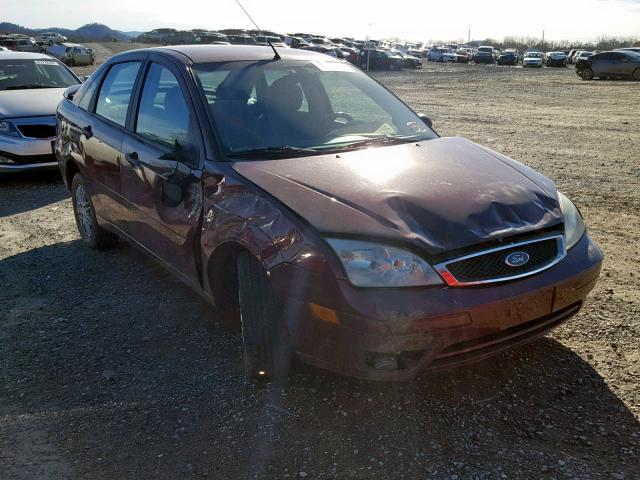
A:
{"points": [[395, 334], [27, 153], [532, 64]]}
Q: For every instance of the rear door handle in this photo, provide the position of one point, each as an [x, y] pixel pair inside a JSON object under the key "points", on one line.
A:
{"points": [[87, 131], [133, 159]]}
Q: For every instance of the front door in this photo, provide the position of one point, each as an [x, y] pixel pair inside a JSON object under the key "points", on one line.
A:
{"points": [[162, 171]]}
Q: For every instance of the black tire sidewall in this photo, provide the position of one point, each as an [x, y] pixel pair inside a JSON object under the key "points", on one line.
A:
{"points": [[265, 335]]}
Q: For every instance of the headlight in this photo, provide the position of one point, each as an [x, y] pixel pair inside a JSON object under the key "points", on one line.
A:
{"points": [[8, 128], [373, 265], [573, 225]]}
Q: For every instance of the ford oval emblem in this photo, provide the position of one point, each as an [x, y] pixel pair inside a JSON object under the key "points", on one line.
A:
{"points": [[517, 259]]}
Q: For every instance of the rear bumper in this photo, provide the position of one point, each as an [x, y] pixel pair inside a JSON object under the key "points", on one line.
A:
{"points": [[398, 334]]}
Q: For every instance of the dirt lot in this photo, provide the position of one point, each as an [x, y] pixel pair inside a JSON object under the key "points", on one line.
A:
{"points": [[111, 369]]}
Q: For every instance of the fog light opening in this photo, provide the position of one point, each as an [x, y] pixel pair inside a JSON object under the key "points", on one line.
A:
{"points": [[394, 361]]}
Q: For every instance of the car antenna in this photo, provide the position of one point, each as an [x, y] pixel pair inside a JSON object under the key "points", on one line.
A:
{"points": [[277, 55]]}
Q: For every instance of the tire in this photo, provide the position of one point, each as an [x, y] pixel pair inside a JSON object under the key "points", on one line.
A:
{"points": [[72, 62], [267, 351], [587, 74], [636, 74], [91, 233]]}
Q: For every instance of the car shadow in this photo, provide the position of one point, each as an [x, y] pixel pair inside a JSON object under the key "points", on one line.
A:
{"points": [[21, 192], [130, 373]]}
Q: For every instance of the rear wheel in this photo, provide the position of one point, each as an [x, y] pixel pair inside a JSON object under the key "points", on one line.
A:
{"points": [[91, 233], [587, 74], [267, 351], [636, 74]]}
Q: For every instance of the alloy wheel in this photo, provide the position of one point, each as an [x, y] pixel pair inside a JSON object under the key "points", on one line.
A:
{"points": [[83, 212]]}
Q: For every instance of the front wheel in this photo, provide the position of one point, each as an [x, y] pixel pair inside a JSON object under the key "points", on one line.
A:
{"points": [[267, 351], [587, 74], [636, 74], [91, 233]]}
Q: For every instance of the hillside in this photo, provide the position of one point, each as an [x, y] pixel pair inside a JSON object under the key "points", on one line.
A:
{"points": [[88, 32]]}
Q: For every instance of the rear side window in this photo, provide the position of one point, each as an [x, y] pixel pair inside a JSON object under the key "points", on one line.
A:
{"points": [[163, 116], [115, 93]]}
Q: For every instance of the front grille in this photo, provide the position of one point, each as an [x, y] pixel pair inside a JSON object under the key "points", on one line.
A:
{"points": [[37, 131], [492, 266]]}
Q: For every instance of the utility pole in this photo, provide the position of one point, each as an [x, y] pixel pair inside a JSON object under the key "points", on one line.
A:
{"points": [[543, 36], [469, 37]]}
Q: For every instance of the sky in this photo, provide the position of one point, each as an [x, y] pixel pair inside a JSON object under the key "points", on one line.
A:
{"points": [[410, 20]]}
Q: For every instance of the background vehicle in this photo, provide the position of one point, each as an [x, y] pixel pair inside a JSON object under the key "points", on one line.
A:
{"points": [[178, 38], [484, 54], [265, 39], [441, 54], [409, 60], [464, 55], [320, 49], [508, 57], [49, 38], [381, 60], [628, 49], [615, 64], [556, 59], [212, 38], [533, 59], [582, 55], [156, 35], [185, 178], [20, 45], [72, 54], [241, 40], [31, 86], [295, 42]]}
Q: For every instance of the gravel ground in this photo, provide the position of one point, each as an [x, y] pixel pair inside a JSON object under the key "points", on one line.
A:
{"points": [[110, 368]]}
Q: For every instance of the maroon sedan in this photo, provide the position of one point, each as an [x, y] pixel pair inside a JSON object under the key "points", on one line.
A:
{"points": [[297, 188]]}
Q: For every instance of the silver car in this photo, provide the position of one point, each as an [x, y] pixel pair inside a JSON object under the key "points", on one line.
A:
{"points": [[72, 54], [31, 86]]}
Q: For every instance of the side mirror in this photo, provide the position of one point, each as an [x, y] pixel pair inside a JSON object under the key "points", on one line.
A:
{"points": [[426, 120], [84, 78], [70, 92]]}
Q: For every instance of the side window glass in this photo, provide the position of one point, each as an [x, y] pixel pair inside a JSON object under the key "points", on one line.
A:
{"points": [[163, 116], [87, 96], [115, 93]]}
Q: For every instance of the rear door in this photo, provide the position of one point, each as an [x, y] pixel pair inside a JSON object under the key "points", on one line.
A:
{"points": [[163, 154], [104, 109], [600, 64]]}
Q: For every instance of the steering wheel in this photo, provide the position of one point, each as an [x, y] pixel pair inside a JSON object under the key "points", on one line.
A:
{"points": [[336, 115]]}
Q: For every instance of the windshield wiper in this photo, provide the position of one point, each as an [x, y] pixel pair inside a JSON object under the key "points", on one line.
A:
{"points": [[387, 140], [29, 86], [283, 151]]}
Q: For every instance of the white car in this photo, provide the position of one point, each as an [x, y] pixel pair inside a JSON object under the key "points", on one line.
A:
{"points": [[582, 56], [72, 54], [533, 59], [50, 38], [441, 54]]}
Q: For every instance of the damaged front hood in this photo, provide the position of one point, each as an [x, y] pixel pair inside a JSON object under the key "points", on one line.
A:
{"points": [[440, 195]]}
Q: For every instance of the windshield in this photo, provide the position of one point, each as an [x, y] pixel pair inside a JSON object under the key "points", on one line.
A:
{"points": [[293, 104], [42, 73], [534, 55], [485, 49]]}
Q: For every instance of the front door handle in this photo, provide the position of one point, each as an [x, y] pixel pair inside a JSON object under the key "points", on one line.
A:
{"points": [[133, 159]]}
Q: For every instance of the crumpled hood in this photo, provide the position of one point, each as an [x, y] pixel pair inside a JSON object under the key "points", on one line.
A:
{"points": [[29, 103], [440, 195]]}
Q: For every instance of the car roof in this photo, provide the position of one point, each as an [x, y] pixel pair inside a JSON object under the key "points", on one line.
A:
{"points": [[23, 56], [232, 53]]}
